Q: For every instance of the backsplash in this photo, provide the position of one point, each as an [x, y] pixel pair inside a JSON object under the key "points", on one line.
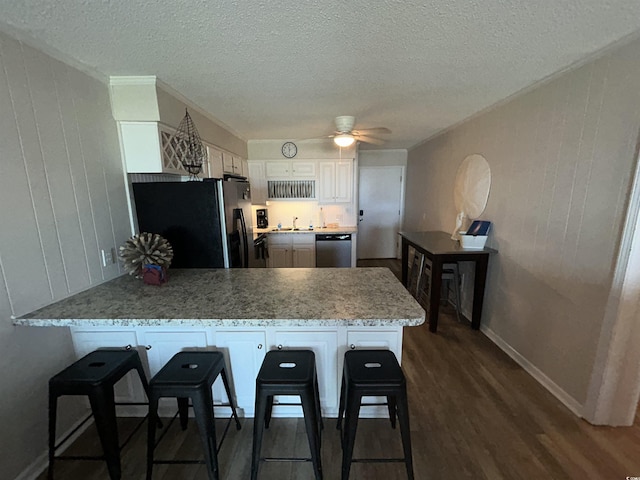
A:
{"points": [[306, 211]]}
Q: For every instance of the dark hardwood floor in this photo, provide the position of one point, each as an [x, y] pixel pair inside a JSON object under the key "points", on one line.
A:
{"points": [[474, 414]]}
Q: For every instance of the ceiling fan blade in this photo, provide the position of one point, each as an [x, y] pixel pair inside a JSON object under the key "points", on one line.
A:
{"points": [[374, 130], [375, 141], [315, 138]]}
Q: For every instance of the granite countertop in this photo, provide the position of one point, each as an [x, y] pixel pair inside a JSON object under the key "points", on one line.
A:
{"points": [[241, 297], [306, 230]]}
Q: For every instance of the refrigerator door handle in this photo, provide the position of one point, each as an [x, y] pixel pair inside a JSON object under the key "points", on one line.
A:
{"points": [[244, 234]]}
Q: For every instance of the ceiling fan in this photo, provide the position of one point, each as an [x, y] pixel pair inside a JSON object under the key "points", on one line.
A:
{"points": [[345, 135]]}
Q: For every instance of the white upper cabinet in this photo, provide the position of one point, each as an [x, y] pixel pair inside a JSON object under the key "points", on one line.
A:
{"points": [[148, 148], [215, 162], [336, 181], [233, 164], [283, 170], [258, 182]]}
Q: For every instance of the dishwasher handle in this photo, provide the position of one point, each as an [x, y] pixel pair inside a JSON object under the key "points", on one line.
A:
{"points": [[333, 237]]}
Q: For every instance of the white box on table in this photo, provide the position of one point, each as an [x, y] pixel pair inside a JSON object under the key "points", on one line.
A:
{"points": [[472, 242]]}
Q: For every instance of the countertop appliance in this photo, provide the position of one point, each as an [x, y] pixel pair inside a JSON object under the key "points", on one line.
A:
{"points": [[262, 219], [208, 223], [333, 250]]}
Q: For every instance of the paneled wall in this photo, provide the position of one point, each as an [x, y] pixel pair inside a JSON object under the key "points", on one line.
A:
{"points": [[561, 158], [62, 197]]}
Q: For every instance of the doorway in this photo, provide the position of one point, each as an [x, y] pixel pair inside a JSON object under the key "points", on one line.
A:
{"points": [[380, 200]]}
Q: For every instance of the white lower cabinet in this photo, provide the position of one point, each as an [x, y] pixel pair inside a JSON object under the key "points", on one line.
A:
{"points": [[244, 349], [304, 250], [244, 352], [364, 339], [323, 343], [288, 250]]}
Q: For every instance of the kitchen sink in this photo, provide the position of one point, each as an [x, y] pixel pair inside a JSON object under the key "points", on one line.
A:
{"points": [[290, 229]]}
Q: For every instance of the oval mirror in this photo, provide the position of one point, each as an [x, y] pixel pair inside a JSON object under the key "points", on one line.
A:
{"points": [[471, 189]]}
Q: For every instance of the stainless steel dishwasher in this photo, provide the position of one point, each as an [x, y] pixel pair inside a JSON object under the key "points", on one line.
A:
{"points": [[333, 250]]}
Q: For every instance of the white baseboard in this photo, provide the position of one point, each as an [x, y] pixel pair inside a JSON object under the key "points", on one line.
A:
{"points": [[39, 465], [566, 399]]}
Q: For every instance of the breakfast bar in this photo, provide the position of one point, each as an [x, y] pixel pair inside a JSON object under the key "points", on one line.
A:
{"points": [[243, 313], [439, 248]]}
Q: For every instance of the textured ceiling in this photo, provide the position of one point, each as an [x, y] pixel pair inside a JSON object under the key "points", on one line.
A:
{"points": [[284, 69]]}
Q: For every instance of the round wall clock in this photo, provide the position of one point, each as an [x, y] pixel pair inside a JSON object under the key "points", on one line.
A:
{"points": [[289, 149]]}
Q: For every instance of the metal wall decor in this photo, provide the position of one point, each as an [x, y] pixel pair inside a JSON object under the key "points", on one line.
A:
{"points": [[194, 152]]}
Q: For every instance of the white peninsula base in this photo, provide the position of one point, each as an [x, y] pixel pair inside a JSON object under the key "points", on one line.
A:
{"points": [[244, 350]]}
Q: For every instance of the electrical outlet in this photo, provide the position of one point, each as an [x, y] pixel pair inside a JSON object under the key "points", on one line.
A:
{"points": [[108, 257]]}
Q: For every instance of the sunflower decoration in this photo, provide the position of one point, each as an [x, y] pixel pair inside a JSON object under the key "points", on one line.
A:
{"points": [[145, 249]]}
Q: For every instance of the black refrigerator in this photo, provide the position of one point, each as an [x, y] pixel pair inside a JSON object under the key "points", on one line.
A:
{"points": [[208, 223]]}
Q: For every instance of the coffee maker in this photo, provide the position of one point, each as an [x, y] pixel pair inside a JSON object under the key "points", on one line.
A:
{"points": [[261, 215]]}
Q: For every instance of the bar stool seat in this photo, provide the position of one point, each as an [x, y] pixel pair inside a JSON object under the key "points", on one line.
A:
{"points": [[372, 373], [95, 375], [190, 375], [288, 372]]}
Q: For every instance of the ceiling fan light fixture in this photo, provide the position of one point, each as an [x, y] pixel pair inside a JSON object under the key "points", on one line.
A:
{"points": [[344, 140]]}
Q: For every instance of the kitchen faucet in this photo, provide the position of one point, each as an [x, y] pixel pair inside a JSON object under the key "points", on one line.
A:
{"points": [[294, 222]]}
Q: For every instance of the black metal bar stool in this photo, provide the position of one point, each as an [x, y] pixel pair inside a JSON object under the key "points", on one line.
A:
{"points": [[190, 375], [288, 372], [372, 373], [95, 375]]}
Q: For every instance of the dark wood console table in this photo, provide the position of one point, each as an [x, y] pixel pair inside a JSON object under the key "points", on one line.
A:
{"points": [[439, 249]]}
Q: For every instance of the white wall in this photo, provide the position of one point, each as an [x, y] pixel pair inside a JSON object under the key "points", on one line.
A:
{"points": [[284, 210], [561, 158], [63, 199]]}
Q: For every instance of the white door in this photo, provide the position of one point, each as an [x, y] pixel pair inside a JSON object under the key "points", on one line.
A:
{"points": [[380, 205]]}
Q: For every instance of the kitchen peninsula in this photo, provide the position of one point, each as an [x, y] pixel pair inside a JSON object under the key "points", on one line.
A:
{"points": [[244, 313]]}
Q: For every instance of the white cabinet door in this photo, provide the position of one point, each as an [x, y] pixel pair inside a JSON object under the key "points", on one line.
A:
{"points": [[303, 169], [324, 344], [336, 181], [304, 256], [304, 250], [215, 162], [258, 182], [277, 169], [280, 256], [227, 163], [343, 182], [284, 170], [129, 389], [164, 344], [244, 352], [327, 187], [385, 339]]}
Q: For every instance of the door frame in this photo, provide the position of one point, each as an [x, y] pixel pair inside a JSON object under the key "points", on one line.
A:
{"points": [[403, 183], [614, 388]]}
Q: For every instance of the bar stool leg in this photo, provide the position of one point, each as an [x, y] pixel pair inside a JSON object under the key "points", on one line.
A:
{"points": [[203, 409], [405, 432], [104, 413], [316, 392], [53, 408], [313, 433], [183, 410], [349, 434], [258, 430], [225, 381], [267, 413], [151, 433], [343, 392], [391, 406]]}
